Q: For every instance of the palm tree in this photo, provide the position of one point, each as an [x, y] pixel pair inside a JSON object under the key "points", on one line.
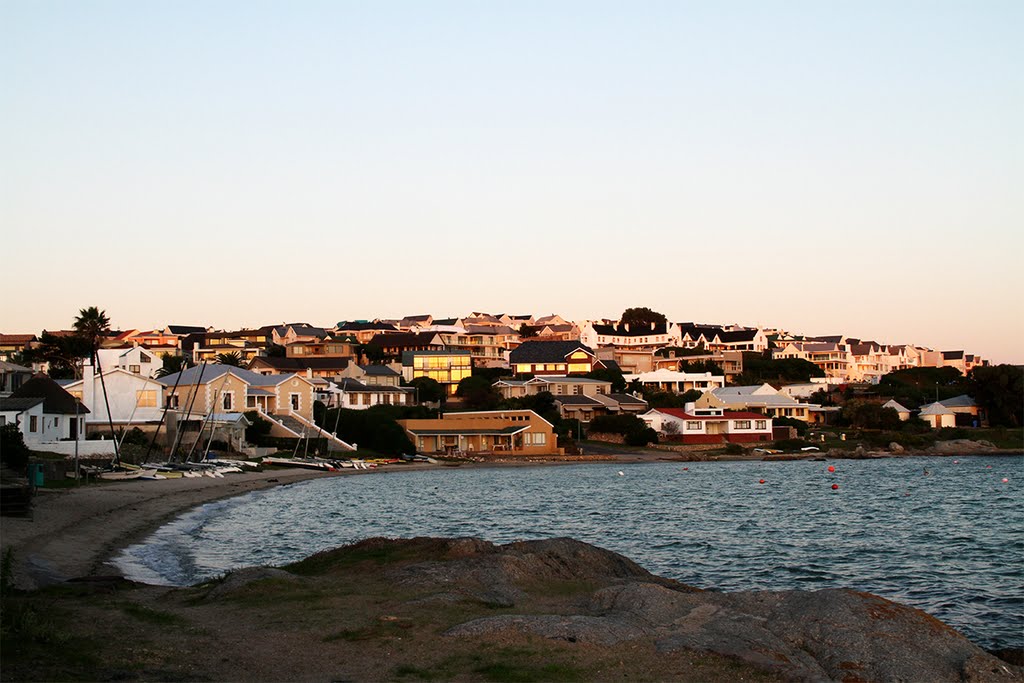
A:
{"points": [[92, 324], [233, 358], [172, 364]]}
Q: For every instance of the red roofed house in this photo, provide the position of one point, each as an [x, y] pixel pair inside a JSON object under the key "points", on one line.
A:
{"points": [[711, 424]]}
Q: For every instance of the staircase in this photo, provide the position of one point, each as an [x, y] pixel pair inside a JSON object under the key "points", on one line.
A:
{"points": [[302, 428]]}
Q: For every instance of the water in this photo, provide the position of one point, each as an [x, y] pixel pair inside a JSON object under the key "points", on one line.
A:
{"points": [[950, 542]]}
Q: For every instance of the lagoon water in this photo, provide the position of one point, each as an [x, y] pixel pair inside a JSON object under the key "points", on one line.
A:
{"points": [[950, 542]]}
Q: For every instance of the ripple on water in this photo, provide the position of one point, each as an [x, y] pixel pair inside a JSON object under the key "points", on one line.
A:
{"points": [[953, 547]]}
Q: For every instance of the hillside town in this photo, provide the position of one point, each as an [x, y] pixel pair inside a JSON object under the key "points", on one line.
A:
{"points": [[479, 384]]}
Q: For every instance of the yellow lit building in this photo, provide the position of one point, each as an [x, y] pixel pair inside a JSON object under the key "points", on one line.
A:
{"points": [[445, 367]]}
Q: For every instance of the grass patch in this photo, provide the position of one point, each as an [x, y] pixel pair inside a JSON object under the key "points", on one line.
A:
{"points": [[152, 616], [504, 672], [375, 552]]}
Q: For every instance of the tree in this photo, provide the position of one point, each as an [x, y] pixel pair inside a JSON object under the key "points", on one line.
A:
{"points": [[999, 389], [172, 364], [641, 317], [428, 390], [609, 375], [701, 366], [276, 351], [63, 354], [13, 451], [868, 415], [92, 324], [232, 358], [478, 393], [916, 386], [759, 368]]}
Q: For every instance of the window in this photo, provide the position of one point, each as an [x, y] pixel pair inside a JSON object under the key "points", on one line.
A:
{"points": [[56, 422], [762, 424], [538, 439], [33, 423], [693, 425], [134, 369], [145, 399], [145, 359], [228, 396], [250, 401], [294, 398], [742, 424]]}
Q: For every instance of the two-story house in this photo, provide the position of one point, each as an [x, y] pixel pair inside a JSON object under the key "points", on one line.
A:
{"points": [[553, 358]]}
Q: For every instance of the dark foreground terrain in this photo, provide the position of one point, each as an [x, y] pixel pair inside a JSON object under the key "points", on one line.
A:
{"points": [[465, 609]]}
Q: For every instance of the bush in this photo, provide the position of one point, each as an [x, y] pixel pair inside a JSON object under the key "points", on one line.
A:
{"points": [[258, 432], [641, 437], [734, 449], [799, 425], [790, 444], [616, 424], [13, 451]]}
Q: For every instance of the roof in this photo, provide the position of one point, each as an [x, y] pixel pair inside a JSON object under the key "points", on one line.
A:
{"points": [[952, 355], [899, 408], [426, 431], [293, 364], [11, 367], [628, 399], [229, 418], [10, 404], [186, 329], [216, 371], [563, 379], [402, 339], [738, 336], [577, 400], [936, 409], [362, 325], [727, 415], [17, 338], [55, 398], [961, 401], [378, 370], [309, 331], [531, 351], [627, 330]]}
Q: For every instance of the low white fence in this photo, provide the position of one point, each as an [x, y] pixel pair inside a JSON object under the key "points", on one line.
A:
{"points": [[85, 448]]}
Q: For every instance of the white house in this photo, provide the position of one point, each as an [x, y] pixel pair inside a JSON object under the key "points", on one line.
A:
{"points": [[711, 424], [677, 382], [903, 412], [134, 399], [44, 412], [938, 416], [135, 359], [767, 398]]}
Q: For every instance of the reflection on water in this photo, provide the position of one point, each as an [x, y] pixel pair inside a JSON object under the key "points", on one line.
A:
{"points": [[950, 542]]}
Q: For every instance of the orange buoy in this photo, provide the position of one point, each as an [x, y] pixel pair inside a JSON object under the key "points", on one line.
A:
{"points": [[831, 468], [835, 487], [762, 481]]}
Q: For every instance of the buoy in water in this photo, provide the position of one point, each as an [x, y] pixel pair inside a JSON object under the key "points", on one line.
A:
{"points": [[762, 481], [1005, 480], [686, 469], [956, 462], [621, 473], [831, 468], [835, 487]]}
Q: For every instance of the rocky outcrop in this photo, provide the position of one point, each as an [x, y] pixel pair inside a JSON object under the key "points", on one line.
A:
{"points": [[839, 635]]}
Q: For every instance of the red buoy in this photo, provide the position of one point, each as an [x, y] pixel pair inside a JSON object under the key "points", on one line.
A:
{"points": [[762, 481], [831, 468], [835, 487], [686, 469], [1005, 480]]}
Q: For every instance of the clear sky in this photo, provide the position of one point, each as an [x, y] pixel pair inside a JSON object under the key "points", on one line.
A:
{"points": [[826, 167]]}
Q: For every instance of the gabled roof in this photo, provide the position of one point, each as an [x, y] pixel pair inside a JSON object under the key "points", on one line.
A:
{"points": [[961, 401], [401, 339], [733, 336], [362, 325], [11, 367], [936, 409], [628, 399], [952, 355], [186, 329], [10, 404], [577, 400], [531, 351], [726, 415], [627, 330], [214, 372], [17, 338], [378, 370], [55, 399], [309, 331], [293, 364], [899, 408]]}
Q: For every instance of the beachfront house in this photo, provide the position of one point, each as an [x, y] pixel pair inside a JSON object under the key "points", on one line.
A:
{"points": [[505, 432], [710, 425]]}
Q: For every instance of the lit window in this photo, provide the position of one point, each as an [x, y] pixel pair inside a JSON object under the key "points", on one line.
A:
{"points": [[742, 424], [693, 426], [145, 399], [762, 424]]}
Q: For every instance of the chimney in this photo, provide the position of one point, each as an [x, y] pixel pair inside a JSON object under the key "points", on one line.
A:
{"points": [[626, 327], [689, 407], [309, 373], [88, 386]]}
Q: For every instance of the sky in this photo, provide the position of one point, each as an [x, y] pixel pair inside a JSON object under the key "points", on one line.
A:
{"points": [[826, 168]]}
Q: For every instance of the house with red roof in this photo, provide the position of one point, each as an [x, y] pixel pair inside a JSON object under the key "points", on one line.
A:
{"points": [[708, 425]]}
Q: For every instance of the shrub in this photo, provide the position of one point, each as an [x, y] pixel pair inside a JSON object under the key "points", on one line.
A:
{"points": [[790, 444], [734, 449], [641, 437], [799, 425], [13, 451]]}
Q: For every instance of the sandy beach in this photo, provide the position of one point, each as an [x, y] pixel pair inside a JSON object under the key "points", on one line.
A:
{"points": [[74, 532]]}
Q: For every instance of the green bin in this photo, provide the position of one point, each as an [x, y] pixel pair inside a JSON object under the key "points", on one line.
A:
{"points": [[35, 474]]}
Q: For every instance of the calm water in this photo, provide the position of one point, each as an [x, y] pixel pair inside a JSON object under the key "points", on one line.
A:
{"points": [[950, 542]]}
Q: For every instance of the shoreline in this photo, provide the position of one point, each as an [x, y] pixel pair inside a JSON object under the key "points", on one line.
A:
{"points": [[75, 533]]}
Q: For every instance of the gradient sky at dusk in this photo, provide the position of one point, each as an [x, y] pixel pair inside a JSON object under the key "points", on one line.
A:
{"points": [[840, 167]]}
